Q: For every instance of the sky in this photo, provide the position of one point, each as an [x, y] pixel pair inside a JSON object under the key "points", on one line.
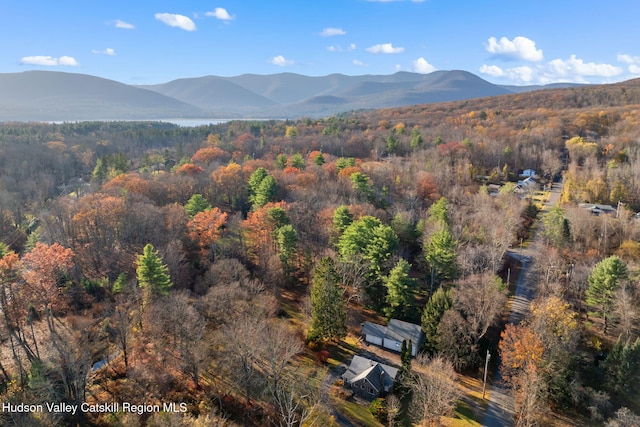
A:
{"points": [[516, 42]]}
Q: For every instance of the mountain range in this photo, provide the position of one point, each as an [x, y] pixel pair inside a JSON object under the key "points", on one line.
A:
{"points": [[58, 96]]}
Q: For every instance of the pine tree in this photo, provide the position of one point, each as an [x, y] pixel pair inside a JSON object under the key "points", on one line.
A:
{"points": [[400, 287], [153, 275], [441, 301], [342, 218], [328, 310], [196, 204], [287, 238], [441, 256], [605, 278]]}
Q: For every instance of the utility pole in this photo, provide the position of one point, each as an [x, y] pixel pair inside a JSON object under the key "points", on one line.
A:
{"points": [[486, 367]]}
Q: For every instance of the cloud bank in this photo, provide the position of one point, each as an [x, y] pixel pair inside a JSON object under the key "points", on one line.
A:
{"points": [[50, 61]]}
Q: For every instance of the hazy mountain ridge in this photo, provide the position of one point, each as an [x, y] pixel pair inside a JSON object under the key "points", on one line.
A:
{"points": [[51, 95]]}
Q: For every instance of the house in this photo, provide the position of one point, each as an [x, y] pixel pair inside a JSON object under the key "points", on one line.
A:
{"points": [[368, 378], [392, 335], [528, 173], [596, 209]]}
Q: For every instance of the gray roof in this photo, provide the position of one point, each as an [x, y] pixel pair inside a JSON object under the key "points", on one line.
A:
{"points": [[374, 329], [397, 330], [374, 372], [596, 208]]}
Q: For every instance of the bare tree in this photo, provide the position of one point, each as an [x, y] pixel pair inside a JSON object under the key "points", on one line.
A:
{"points": [[296, 402], [281, 346], [434, 389], [625, 309], [394, 406], [242, 339]]}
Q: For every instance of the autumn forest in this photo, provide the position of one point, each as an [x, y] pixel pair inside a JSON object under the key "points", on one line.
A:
{"points": [[221, 274]]}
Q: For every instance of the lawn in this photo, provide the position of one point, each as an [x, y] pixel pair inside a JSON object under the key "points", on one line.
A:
{"points": [[358, 414]]}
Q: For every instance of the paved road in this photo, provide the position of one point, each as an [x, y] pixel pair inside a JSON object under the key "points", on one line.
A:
{"points": [[501, 406]]}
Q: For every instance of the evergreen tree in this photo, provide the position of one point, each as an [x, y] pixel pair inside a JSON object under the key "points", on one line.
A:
{"points": [[255, 179], [392, 144], [328, 310], [400, 288], [367, 238], [557, 229], [342, 218], [416, 139], [605, 279], [297, 161], [441, 256], [265, 192], [441, 301], [318, 160], [196, 204], [623, 366], [287, 238], [281, 161], [362, 184], [153, 275], [439, 212]]}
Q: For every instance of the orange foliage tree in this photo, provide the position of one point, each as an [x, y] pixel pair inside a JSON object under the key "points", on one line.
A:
{"points": [[230, 182], [205, 228], [42, 269], [258, 231], [189, 169], [522, 352], [208, 155]]}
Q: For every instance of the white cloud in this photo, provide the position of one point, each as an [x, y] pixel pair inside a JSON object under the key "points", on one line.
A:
{"points": [[281, 61], [576, 67], [221, 14], [385, 48], [359, 63], [524, 74], [518, 48], [633, 62], [50, 61], [572, 70], [108, 51], [491, 70], [177, 21], [329, 32], [122, 24], [336, 48], [421, 66]]}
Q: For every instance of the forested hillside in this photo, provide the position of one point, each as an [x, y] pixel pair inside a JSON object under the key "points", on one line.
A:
{"points": [[149, 264]]}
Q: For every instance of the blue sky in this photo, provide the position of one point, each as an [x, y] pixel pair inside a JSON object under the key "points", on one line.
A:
{"points": [[147, 41]]}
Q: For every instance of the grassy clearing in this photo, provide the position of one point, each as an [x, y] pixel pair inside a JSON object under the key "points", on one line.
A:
{"points": [[358, 414]]}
